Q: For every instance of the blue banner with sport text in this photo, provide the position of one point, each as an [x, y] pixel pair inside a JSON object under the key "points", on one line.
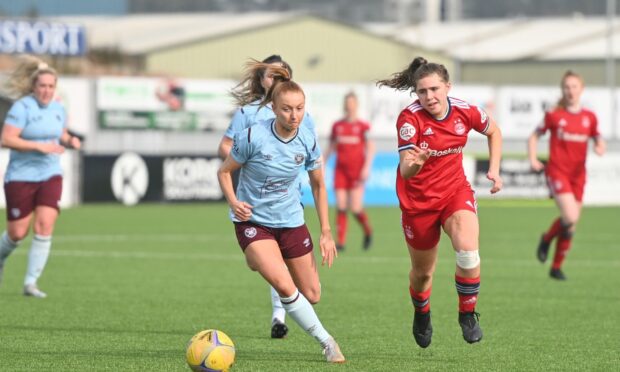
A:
{"points": [[44, 38], [380, 186]]}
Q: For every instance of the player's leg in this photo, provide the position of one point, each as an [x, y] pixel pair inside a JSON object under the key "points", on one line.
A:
{"points": [[16, 231], [20, 203], [342, 206], [422, 235], [461, 225], [558, 184], [357, 208], [44, 221], [297, 249], [570, 210], [47, 199]]}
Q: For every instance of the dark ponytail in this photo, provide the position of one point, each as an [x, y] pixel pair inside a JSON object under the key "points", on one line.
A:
{"points": [[418, 68]]}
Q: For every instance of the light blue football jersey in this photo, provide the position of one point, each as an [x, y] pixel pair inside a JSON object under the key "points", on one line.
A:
{"points": [[269, 177], [39, 124], [253, 113]]}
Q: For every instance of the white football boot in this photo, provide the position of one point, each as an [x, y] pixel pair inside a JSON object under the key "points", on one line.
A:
{"points": [[332, 352]]}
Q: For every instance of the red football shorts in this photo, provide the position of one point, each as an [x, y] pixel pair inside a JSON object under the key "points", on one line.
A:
{"points": [[422, 229], [561, 184], [293, 241], [23, 197], [346, 179]]}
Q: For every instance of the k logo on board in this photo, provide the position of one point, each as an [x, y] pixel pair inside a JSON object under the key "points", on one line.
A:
{"points": [[130, 178]]}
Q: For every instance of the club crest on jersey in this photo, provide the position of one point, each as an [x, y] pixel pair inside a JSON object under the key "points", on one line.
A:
{"points": [[250, 232], [483, 115], [299, 158], [585, 122], [407, 131], [562, 123], [424, 145], [459, 127]]}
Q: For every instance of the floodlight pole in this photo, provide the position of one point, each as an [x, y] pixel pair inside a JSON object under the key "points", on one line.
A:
{"points": [[611, 66]]}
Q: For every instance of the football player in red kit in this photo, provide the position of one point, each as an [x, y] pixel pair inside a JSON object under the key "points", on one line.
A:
{"points": [[354, 154], [571, 126], [434, 193]]}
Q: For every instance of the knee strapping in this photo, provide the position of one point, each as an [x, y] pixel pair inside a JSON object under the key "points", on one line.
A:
{"points": [[467, 259], [566, 230]]}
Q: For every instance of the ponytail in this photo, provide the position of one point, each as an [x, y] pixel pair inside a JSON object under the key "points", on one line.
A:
{"points": [[418, 68]]}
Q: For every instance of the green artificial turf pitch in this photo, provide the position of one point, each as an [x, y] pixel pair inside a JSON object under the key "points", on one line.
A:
{"points": [[128, 287]]}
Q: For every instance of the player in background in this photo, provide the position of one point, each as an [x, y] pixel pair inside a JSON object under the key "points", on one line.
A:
{"points": [[249, 94], [354, 154], [434, 193], [267, 211], [571, 126], [35, 131]]}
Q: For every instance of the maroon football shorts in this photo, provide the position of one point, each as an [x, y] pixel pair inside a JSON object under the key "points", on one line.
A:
{"points": [[422, 229], [23, 197], [293, 241]]}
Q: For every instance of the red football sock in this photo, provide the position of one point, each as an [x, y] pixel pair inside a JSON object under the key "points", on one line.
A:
{"points": [[467, 289], [341, 226], [561, 250], [554, 230], [362, 218], [421, 300]]}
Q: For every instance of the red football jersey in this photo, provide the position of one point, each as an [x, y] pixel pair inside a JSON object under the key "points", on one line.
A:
{"points": [[569, 139], [442, 174], [350, 140]]}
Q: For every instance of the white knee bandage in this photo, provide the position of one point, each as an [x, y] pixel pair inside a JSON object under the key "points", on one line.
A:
{"points": [[467, 259]]}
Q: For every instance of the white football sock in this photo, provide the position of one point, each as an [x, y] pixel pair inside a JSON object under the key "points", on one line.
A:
{"points": [[6, 246], [37, 258], [278, 313], [302, 312]]}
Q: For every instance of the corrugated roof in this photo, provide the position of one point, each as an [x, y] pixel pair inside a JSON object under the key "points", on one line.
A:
{"points": [[510, 39]]}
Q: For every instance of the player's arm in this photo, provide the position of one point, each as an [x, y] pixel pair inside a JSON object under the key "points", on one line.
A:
{"points": [[241, 209], [411, 161], [224, 147], [11, 139], [494, 139], [370, 155], [532, 151], [67, 140], [319, 193], [599, 145]]}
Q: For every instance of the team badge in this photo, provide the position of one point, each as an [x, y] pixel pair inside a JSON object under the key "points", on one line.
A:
{"points": [[459, 127], [408, 232], [15, 212], [299, 158], [585, 122], [407, 131], [250, 232], [483, 116], [424, 145]]}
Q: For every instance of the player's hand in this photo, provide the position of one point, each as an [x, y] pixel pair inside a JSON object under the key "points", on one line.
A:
{"points": [[75, 143], [50, 148], [497, 181], [241, 210], [599, 148], [328, 248], [364, 174], [537, 165], [416, 156]]}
